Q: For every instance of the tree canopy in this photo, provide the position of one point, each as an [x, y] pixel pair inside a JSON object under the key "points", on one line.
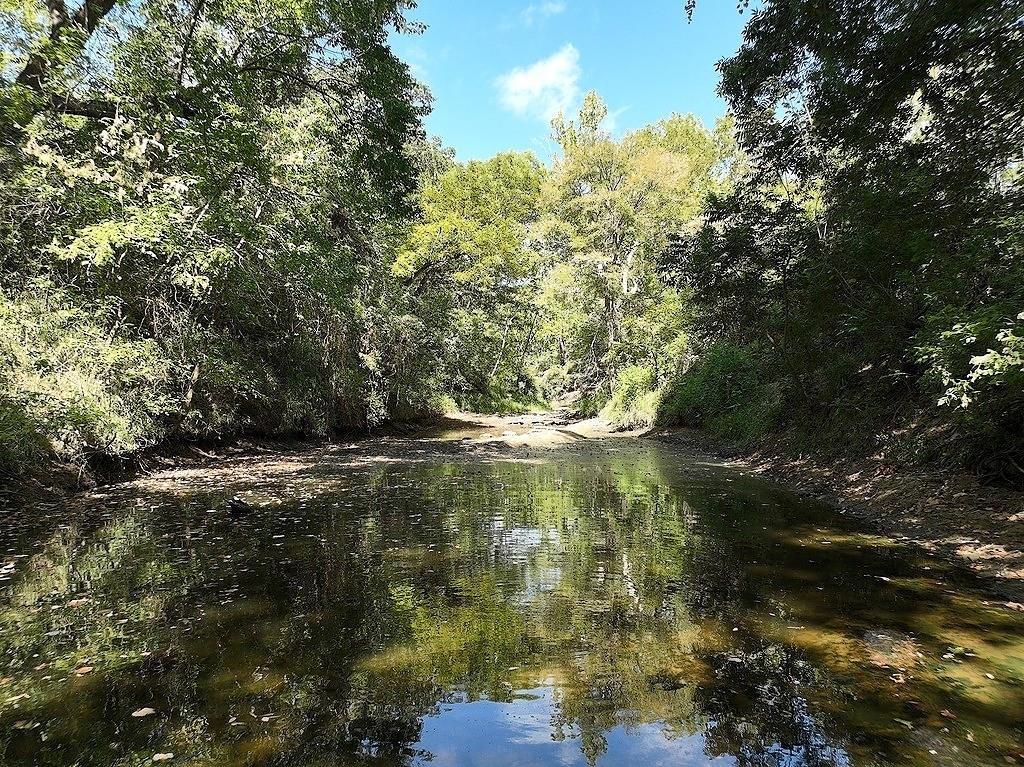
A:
{"points": [[871, 249], [225, 217]]}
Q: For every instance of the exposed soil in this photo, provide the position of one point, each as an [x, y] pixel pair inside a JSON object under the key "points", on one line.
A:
{"points": [[947, 512]]}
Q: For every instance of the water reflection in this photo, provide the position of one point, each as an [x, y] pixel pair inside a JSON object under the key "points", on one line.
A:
{"points": [[618, 608]]}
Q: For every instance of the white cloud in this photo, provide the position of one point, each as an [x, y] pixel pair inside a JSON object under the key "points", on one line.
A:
{"points": [[541, 10], [611, 121], [543, 89], [418, 60]]}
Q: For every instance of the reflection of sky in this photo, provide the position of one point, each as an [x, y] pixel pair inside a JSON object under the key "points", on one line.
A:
{"points": [[519, 546], [491, 734], [515, 543]]}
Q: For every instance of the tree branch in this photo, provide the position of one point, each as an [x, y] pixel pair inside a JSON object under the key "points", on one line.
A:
{"points": [[87, 18]]}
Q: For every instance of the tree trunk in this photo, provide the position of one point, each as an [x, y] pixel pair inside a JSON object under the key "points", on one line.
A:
{"points": [[37, 69]]}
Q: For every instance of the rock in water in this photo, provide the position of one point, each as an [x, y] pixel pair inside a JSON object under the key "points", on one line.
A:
{"points": [[237, 506]]}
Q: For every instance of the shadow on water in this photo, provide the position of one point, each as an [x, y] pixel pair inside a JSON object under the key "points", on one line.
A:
{"points": [[619, 605]]}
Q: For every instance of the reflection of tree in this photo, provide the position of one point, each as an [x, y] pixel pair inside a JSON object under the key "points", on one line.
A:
{"points": [[87, 615], [312, 633], [597, 582], [759, 714]]}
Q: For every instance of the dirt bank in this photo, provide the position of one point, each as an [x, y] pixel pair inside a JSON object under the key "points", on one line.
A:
{"points": [[950, 513]]}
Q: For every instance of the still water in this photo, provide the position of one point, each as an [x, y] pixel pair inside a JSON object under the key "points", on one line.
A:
{"points": [[397, 604]]}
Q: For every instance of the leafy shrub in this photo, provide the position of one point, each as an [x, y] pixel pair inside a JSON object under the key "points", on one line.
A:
{"points": [[21, 444], [635, 398], [499, 402], [729, 392], [72, 386], [975, 371], [592, 403]]}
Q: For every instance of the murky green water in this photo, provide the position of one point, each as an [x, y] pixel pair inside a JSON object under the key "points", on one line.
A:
{"points": [[619, 608]]}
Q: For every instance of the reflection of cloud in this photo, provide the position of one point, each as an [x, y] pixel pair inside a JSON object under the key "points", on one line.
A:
{"points": [[517, 543], [541, 10], [650, 744], [543, 89], [529, 716], [494, 734]]}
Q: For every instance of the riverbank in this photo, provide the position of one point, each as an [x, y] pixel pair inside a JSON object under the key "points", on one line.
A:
{"points": [[949, 513]]}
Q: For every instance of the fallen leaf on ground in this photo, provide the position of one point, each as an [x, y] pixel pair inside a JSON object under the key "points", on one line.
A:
{"points": [[162, 757], [144, 712]]}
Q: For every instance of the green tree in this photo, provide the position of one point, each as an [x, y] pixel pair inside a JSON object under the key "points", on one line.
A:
{"points": [[214, 190], [469, 266], [610, 207], [870, 250]]}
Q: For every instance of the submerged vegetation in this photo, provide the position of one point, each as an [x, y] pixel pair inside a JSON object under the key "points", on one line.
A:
{"points": [[225, 218]]}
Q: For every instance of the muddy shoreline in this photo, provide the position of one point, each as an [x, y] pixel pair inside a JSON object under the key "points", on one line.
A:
{"points": [[949, 513]]}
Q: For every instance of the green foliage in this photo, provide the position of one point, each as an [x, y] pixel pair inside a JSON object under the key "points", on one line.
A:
{"points": [[608, 209], [471, 275], [976, 369], [869, 247], [69, 377], [219, 218], [500, 403], [635, 399], [729, 392], [199, 210]]}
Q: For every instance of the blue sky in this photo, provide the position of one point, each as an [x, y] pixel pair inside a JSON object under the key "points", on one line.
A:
{"points": [[498, 69]]}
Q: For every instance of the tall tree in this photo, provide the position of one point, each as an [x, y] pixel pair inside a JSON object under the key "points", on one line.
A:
{"points": [[873, 242], [469, 264], [609, 208]]}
